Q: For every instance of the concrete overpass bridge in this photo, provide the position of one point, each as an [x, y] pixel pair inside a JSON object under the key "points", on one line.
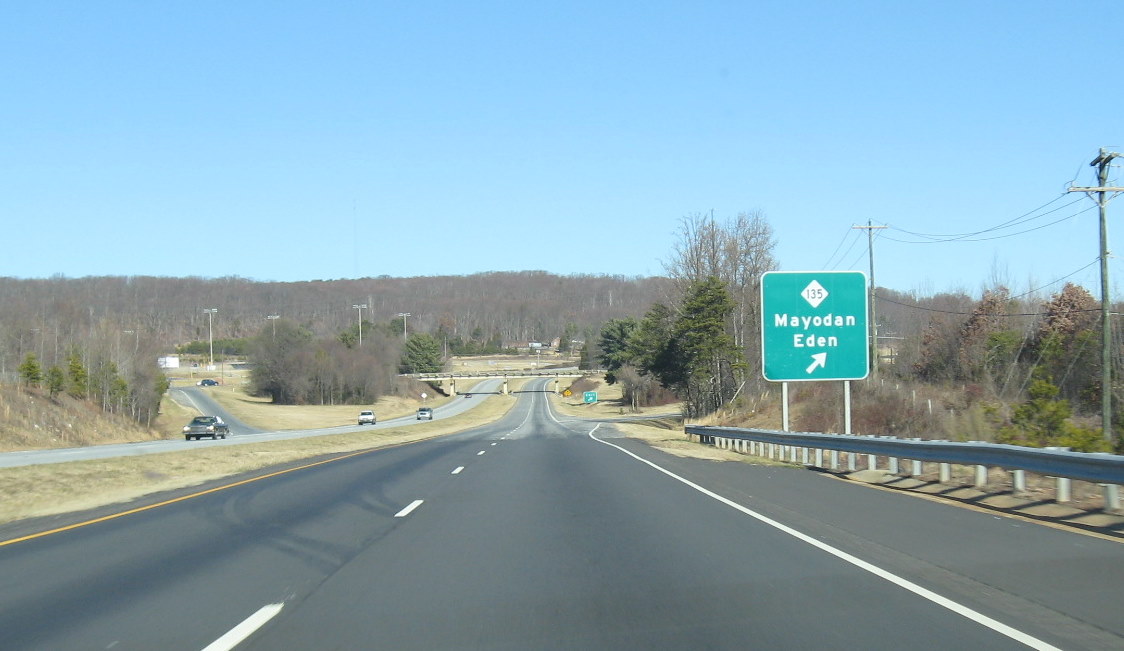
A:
{"points": [[453, 376]]}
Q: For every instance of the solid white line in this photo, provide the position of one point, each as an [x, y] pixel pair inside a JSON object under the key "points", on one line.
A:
{"points": [[458, 470], [925, 593], [481, 452], [409, 509], [236, 635]]}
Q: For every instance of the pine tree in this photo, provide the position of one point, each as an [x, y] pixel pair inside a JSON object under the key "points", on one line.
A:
{"points": [[707, 356], [30, 371], [422, 355]]}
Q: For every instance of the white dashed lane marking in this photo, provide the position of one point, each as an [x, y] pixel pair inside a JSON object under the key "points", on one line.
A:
{"points": [[409, 509]]}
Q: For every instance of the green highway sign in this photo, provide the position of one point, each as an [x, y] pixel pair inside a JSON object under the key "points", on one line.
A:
{"points": [[589, 397], [814, 326]]}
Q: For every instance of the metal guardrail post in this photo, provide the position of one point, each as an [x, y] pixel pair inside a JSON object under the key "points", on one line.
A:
{"points": [[1018, 481], [1111, 497], [981, 477], [1063, 493], [945, 473]]}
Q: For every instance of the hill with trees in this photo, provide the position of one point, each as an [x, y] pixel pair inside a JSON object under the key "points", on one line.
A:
{"points": [[1015, 368]]}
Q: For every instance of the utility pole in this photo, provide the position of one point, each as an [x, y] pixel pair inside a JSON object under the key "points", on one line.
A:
{"points": [[360, 307], [210, 311], [1102, 163], [404, 315], [870, 228], [273, 319]]}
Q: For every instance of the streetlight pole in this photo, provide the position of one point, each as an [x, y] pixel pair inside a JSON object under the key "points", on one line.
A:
{"points": [[360, 307], [273, 319], [210, 311], [404, 315]]}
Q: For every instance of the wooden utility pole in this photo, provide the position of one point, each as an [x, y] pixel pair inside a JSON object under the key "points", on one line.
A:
{"points": [[869, 228], [1101, 162]]}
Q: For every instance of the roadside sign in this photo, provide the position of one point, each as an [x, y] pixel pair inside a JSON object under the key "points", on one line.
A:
{"points": [[567, 393], [589, 397], [814, 326]]}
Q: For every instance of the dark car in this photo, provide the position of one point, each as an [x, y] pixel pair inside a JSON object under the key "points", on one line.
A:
{"points": [[468, 395], [425, 413], [208, 383], [201, 426]]}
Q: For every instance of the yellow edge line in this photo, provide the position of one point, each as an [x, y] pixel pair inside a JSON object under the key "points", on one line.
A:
{"points": [[182, 498]]}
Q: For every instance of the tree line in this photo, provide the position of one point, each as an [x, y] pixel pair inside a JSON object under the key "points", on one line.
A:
{"points": [[1026, 367]]}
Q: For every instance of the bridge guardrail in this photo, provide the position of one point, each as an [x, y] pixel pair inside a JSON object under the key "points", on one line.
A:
{"points": [[1097, 467], [441, 375]]}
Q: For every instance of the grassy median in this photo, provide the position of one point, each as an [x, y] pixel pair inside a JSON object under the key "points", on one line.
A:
{"points": [[49, 489]]}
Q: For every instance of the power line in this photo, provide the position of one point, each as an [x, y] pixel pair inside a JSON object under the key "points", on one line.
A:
{"points": [[966, 238], [831, 257], [1054, 282], [847, 252], [933, 309], [1007, 224]]}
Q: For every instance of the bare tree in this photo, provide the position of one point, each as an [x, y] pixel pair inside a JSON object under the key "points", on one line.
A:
{"points": [[736, 252]]}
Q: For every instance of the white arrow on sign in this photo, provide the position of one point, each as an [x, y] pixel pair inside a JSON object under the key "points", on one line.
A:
{"points": [[819, 359]]}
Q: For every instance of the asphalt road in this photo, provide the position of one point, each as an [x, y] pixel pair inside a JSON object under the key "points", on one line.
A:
{"points": [[545, 533], [240, 433]]}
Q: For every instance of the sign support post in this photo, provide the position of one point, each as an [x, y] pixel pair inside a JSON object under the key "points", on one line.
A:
{"points": [[784, 406]]}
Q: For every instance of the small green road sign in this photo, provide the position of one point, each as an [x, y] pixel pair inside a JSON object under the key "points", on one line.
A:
{"points": [[589, 397], [814, 326]]}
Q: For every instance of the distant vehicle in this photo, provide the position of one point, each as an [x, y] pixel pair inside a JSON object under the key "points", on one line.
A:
{"points": [[207, 383], [425, 413], [468, 395], [201, 426], [366, 418]]}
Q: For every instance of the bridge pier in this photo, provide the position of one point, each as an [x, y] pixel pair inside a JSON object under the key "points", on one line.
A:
{"points": [[505, 386], [453, 386], [557, 387]]}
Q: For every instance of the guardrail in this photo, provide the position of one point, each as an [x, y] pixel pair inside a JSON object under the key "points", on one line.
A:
{"points": [[444, 375], [1059, 463]]}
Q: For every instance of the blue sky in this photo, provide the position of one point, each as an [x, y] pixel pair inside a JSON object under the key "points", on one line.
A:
{"points": [[309, 140]]}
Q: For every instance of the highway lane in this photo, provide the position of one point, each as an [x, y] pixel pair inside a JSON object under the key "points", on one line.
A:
{"points": [[531, 533], [241, 433]]}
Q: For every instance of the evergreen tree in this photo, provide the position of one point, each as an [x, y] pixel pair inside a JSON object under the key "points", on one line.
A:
{"points": [[651, 346], [30, 371], [614, 345], [707, 356], [77, 377], [56, 380], [422, 355]]}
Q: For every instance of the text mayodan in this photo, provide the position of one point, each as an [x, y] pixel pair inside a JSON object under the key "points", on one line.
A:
{"points": [[800, 340]]}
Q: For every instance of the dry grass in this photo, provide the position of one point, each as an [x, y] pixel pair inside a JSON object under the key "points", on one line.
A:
{"points": [[32, 420], [261, 413], [663, 434], [509, 362], [608, 405], [32, 491]]}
